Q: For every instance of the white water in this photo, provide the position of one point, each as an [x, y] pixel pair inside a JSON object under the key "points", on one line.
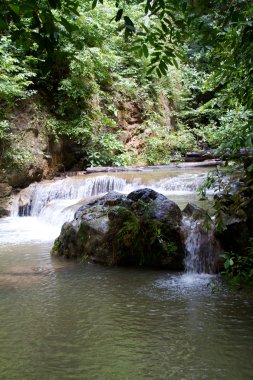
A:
{"points": [[51, 203], [201, 247], [36, 197], [41, 195], [30, 230]]}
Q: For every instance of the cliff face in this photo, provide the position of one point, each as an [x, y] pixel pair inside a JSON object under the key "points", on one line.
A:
{"points": [[27, 154]]}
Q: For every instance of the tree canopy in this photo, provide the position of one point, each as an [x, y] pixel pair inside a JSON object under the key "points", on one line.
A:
{"points": [[63, 47]]}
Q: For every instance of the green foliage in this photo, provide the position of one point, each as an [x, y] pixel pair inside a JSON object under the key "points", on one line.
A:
{"points": [[18, 156], [139, 237], [15, 75], [36, 22], [238, 267], [5, 139], [228, 35], [80, 86], [72, 53], [232, 187], [4, 130], [79, 130], [169, 147], [106, 149], [235, 131]]}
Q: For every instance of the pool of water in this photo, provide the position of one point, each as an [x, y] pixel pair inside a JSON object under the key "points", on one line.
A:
{"points": [[70, 320]]}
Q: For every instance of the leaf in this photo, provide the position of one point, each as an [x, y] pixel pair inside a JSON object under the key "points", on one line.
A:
{"points": [[175, 62], [68, 26], [158, 72], [136, 47], [119, 15], [165, 28], [163, 68], [14, 8], [3, 24], [145, 50], [150, 70], [128, 21], [227, 264], [148, 6], [54, 3], [94, 4]]}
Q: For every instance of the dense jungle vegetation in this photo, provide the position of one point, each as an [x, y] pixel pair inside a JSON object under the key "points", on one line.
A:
{"points": [[130, 82]]}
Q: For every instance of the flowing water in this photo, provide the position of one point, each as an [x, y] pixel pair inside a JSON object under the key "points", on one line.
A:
{"points": [[69, 320]]}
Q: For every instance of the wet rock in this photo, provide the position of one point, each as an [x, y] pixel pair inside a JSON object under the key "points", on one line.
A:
{"points": [[193, 211], [5, 190], [22, 177], [4, 212], [236, 221], [140, 229], [5, 193], [235, 236]]}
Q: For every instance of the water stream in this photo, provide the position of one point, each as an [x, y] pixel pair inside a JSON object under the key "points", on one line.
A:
{"points": [[70, 320]]}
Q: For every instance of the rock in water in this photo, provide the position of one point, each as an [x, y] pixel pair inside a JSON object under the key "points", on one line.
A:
{"points": [[142, 228]]}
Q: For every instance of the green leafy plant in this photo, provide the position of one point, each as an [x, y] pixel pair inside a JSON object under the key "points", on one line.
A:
{"points": [[169, 147], [79, 130], [238, 267], [137, 236], [15, 74], [106, 149]]}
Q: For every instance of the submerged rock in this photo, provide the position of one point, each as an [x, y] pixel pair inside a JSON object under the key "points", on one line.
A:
{"points": [[142, 228]]}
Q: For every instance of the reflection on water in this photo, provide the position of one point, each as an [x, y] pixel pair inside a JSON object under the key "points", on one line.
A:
{"points": [[66, 320]]}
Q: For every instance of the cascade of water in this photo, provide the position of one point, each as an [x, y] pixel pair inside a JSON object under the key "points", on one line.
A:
{"points": [[183, 182], [32, 200], [201, 247], [56, 201]]}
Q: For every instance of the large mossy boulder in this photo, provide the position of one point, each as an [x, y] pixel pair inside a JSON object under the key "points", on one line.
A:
{"points": [[142, 228]]}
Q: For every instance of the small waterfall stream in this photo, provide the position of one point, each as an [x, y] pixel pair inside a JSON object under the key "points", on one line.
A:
{"points": [[201, 247], [32, 200], [55, 202], [66, 192]]}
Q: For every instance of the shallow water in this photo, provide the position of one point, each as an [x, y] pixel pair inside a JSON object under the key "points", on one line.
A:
{"points": [[69, 320]]}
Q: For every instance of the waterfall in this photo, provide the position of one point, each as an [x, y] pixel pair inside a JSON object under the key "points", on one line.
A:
{"points": [[55, 202], [201, 247], [182, 182], [31, 201]]}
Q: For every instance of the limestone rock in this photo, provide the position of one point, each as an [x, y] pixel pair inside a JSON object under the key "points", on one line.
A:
{"points": [[140, 229], [5, 190]]}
